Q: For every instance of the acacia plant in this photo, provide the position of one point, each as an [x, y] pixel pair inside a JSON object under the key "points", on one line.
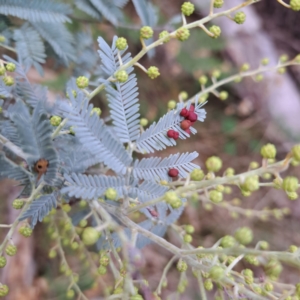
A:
{"points": [[49, 148]]}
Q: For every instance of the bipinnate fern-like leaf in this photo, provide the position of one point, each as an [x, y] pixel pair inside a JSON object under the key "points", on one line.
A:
{"points": [[40, 208], [59, 38], [30, 47], [36, 10], [9, 169], [109, 10], [149, 17], [92, 132], [91, 186], [155, 137], [42, 133], [87, 7], [30, 93], [79, 159], [34, 134], [109, 57], [122, 97], [5, 91], [156, 168]]}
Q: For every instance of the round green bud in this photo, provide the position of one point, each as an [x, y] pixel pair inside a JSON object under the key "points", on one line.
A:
{"points": [[239, 17], [2, 70], [208, 284], [215, 196], [82, 82], [281, 70], [111, 194], [189, 229], [118, 290], [245, 67], [247, 273], [213, 164], [187, 238], [183, 95], [290, 184], [251, 259], [265, 61], [187, 8], [121, 76], [203, 80], [268, 151], [3, 290], [181, 288], [102, 270], [228, 241], [216, 73], [172, 104], [25, 231], [181, 266], [273, 268], [55, 120], [70, 294], [90, 236], [11, 250], [215, 30], [17, 204], [297, 59], [258, 290], [96, 110], [292, 195], [83, 223], [218, 3], [2, 38], [259, 77], [153, 72], [264, 245], [268, 287], [229, 172], [74, 245], [104, 260], [220, 188], [52, 253], [66, 208], [8, 80], [283, 58], [146, 32], [165, 35], [182, 34], [293, 248], [216, 273], [176, 204], [121, 43], [2, 261], [143, 122], [170, 196], [82, 204], [296, 152], [250, 184], [197, 175], [11, 67], [238, 79], [253, 165], [244, 235], [223, 95]]}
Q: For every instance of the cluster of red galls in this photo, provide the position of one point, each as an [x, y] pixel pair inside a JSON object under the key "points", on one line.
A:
{"points": [[190, 117]]}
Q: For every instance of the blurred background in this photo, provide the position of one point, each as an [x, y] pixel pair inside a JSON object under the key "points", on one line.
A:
{"points": [[255, 113]]}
